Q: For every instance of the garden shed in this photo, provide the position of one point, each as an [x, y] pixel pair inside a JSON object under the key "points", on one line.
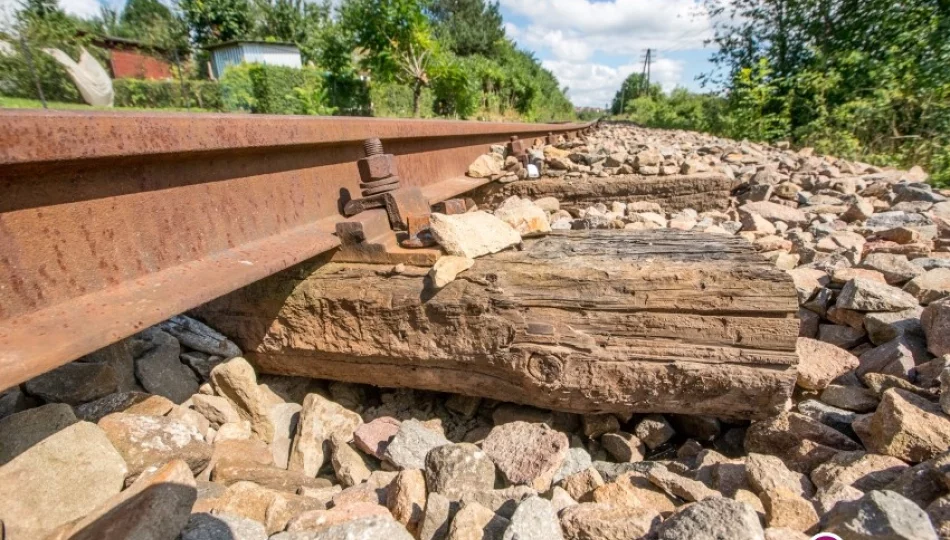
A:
{"points": [[263, 52], [131, 59]]}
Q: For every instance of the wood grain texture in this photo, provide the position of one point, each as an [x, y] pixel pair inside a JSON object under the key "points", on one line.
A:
{"points": [[701, 192], [592, 321]]}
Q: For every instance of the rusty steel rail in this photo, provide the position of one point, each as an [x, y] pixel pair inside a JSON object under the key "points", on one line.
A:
{"points": [[112, 222]]}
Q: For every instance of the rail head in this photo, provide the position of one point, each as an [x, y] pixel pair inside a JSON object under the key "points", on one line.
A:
{"points": [[36, 136]]}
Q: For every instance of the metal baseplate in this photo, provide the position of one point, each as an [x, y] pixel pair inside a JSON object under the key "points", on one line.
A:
{"points": [[390, 223]]}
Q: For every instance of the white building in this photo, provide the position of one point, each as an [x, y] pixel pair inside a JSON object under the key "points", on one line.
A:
{"points": [[262, 52]]}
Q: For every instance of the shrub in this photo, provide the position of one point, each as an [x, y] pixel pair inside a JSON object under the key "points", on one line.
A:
{"points": [[274, 88], [16, 79], [268, 89], [167, 94], [456, 92], [237, 90], [348, 94], [395, 100]]}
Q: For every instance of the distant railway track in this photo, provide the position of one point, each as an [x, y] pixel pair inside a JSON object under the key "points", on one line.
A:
{"points": [[112, 222]]}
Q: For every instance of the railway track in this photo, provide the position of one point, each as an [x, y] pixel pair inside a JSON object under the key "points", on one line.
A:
{"points": [[112, 222]]}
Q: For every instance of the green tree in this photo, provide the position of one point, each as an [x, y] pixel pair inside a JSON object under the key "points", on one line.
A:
{"points": [[143, 14], [468, 27], [107, 21], [217, 21], [396, 39], [290, 20], [864, 79], [757, 111], [634, 86], [151, 22]]}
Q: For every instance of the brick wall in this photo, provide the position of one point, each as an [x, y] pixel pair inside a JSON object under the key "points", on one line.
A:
{"points": [[135, 65]]}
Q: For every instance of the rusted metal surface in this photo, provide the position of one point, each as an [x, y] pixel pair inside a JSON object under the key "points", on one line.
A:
{"points": [[111, 222], [453, 206]]}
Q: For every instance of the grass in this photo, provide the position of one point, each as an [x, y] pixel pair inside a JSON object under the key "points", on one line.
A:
{"points": [[23, 103]]}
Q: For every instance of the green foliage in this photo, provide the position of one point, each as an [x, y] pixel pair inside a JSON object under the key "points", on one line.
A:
{"points": [[237, 89], [468, 27], [292, 21], [268, 89], [41, 24], [397, 40], [385, 29], [634, 86], [756, 111], [26, 103], [329, 45], [680, 109], [384, 57], [455, 90], [395, 100], [861, 80], [530, 89], [865, 80], [168, 94], [273, 88], [217, 21], [587, 114], [16, 78], [311, 98], [138, 14]]}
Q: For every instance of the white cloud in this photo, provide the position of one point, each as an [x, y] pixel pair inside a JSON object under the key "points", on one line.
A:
{"points": [[618, 27], [590, 84], [666, 72], [576, 32], [594, 85]]}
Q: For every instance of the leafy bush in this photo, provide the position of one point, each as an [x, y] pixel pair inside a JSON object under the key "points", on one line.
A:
{"points": [[16, 79], [237, 90], [167, 94], [40, 25], [395, 100], [265, 89], [274, 88], [347, 94], [455, 91], [862, 80], [312, 98]]}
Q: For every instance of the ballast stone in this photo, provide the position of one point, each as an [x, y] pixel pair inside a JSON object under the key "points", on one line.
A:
{"points": [[472, 234], [63, 477]]}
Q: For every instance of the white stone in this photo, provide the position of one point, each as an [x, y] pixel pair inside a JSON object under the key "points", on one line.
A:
{"points": [[447, 268], [472, 234], [525, 216]]}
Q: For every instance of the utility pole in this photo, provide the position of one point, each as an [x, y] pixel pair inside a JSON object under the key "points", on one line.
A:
{"points": [[645, 72], [649, 65]]}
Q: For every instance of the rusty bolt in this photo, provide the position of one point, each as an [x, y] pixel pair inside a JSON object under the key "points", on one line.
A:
{"points": [[376, 167], [516, 146], [373, 147]]}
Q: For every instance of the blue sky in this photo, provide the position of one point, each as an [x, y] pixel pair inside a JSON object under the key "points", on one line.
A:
{"points": [[592, 45]]}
